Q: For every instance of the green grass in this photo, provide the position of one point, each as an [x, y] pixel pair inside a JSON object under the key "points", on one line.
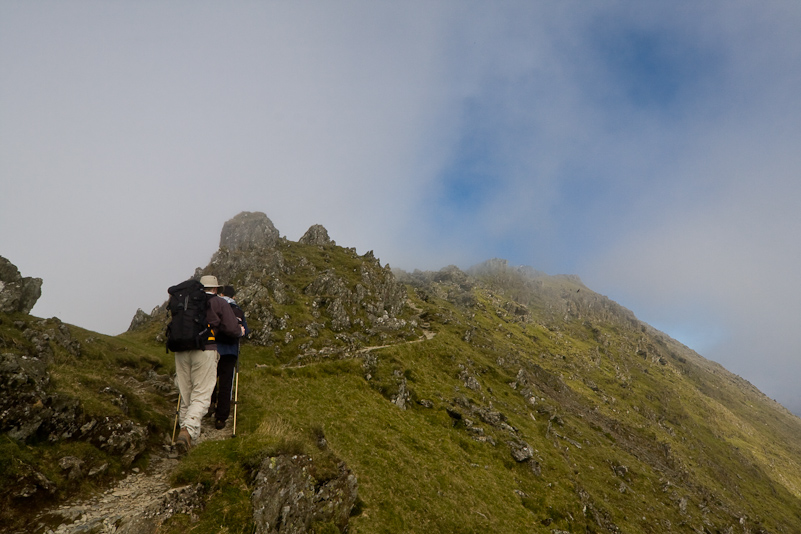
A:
{"points": [[419, 471], [629, 429]]}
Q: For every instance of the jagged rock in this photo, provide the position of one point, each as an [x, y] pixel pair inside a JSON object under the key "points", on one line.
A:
{"points": [[248, 230], [359, 301], [73, 466], [119, 437], [327, 284], [23, 396], [31, 482], [316, 235], [289, 500], [138, 320], [469, 380], [117, 398], [402, 399], [17, 294], [521, 451], [339, 317], [333, 295], [43, 332], [28, 409]]}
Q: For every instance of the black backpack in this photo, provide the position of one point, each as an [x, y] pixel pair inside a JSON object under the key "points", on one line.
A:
{"points": [[188, 329]]}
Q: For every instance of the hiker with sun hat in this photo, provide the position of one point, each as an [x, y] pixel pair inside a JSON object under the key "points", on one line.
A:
{"points": [[196, 369]]}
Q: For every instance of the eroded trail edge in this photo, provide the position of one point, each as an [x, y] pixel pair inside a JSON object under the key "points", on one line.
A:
{"points": [[138, 503]]}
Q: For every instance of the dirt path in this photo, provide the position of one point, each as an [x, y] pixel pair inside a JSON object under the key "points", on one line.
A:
{"points": [[427, 334], [135, 504]]}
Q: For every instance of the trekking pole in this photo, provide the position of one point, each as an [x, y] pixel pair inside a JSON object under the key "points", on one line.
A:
{"points": [[236, 396], [177, 411]]}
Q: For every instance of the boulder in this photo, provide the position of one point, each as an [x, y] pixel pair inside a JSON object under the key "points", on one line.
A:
{"points": [[316, 235], [17, 294], [248, 230], [288, 499]]}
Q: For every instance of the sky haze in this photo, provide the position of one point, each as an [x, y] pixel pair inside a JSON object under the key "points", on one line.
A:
{"points": [[652, 148]]}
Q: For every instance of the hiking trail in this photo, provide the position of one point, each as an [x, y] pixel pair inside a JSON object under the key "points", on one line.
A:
{"points": [[138, 503]]}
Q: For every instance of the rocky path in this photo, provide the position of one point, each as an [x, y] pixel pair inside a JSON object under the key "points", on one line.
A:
{"points": [[136, 504]]}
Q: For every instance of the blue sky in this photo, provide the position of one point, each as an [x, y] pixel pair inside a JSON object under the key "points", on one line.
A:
{"points": [[652, 148]]}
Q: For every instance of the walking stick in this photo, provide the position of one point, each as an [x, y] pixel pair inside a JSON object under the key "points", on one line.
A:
{"points": [[177, 411], [236, 396]]}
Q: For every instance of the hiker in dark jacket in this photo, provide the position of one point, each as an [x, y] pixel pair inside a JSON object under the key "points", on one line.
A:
{"points": [[228, 348], [196, 369]]}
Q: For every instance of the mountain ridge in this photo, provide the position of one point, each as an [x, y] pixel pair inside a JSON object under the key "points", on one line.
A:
{"points": [[498, 398]]}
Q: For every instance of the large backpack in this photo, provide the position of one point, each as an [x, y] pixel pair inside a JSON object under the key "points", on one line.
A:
{"points": [[188, 329]]}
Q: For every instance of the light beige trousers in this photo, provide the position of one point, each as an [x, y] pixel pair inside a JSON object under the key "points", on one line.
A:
{"points": [[195, 376]]}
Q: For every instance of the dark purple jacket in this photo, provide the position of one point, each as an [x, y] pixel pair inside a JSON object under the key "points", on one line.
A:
{"points": [[222, 320]]}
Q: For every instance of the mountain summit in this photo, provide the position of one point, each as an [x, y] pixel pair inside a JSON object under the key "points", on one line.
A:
{"points": [[492, 399]]}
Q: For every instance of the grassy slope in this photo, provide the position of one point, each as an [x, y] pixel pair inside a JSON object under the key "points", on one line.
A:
{"points": [[698, 448]]}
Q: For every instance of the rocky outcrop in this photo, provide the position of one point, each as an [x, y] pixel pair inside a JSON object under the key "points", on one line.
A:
{"points": [[449, 283], [29, 410], [17, 294], [288, 499], [140, 318], [26, 406], [336, 289], [249, 230], [33, 413], [23, 383], [316, 235]]}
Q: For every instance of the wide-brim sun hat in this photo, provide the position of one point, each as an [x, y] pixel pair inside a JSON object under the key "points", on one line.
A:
{"points": [[209, 281]]}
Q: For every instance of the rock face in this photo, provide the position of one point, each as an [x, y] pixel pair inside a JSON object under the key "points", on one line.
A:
{"points": [[295, 294], [309, 299], [17, 294], [288, 499], [32, 412], [138, 320], [248, 230], [316, 235], [29, 410]]}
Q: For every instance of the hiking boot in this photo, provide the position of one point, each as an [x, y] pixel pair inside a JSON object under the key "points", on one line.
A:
{"points": [[183, 442], [212, 410], [219, 424]]}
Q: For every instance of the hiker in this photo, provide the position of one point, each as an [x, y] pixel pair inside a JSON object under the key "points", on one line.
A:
{"points": [[228, 348], [196, 369]]}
